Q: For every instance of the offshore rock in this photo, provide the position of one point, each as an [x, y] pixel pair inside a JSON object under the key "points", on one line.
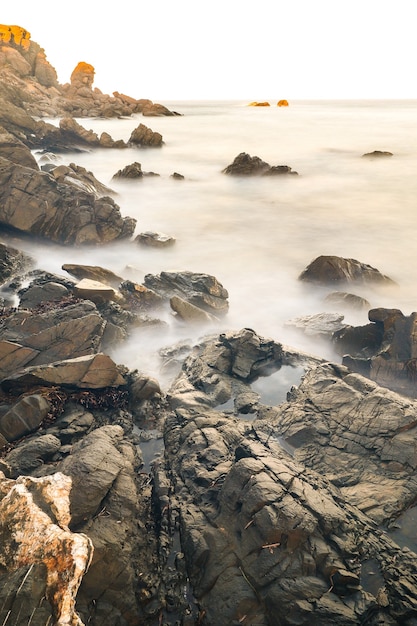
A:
{"points": [[377, 154], [333, 269], [342, 299], [144, 136], [34, 519], [34, 202], [246, 165], [131, 171], [154, 240]]}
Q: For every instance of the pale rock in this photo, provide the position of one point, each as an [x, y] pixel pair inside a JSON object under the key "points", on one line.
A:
{"points": [[34, 519]]}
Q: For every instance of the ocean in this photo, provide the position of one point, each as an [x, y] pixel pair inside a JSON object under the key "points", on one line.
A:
{"points": [[256, 235]]}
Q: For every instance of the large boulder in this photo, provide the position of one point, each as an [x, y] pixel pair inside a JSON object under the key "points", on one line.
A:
{"points": [[34, 202], [337, 270]]}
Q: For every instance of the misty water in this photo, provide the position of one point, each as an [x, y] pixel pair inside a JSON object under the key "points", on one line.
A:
{"points": [[256, 235]]}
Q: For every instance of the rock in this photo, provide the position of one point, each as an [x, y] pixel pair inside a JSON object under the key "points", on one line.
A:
{"points": [[384, 350], [34, 518], [267, 532], [155, 240], [259, 104], [177, 176], [132, 171], [349, 300], [140, 297], [95, 371], [12, 262], [82, 76], [190, 313], [24, 417], [157, 110], [332, 269], [202, 290], [14, 150], [377, 154], [319, 325], [81, 179], [32, 454], [246, 165], [143, 387], [93, 272], [34, 203], [375, 427], [144, 136], [282, 103], [95, 291], [56, 334], [48, 292]]}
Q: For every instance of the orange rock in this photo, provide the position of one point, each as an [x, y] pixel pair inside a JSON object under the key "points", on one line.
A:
{"points": [[282, 103], [259, 104]]}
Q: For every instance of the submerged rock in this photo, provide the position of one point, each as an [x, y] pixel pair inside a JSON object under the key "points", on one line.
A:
{"points": [[377, 154]]}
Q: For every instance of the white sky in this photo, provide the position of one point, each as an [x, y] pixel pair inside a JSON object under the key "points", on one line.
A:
{"points": [[230, 49]]}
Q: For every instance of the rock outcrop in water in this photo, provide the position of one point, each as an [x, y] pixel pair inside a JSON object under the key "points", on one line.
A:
{"points": [[246, 165], [327, 270]]}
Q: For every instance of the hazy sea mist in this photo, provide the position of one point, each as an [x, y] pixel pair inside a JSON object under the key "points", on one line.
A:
{"points": [[256, 235]]}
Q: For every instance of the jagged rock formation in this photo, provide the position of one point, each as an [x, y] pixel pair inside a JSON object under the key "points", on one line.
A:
{"points": [[35, 202], [266, 540]]}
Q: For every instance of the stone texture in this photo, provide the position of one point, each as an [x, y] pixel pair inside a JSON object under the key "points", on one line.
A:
{"points": [[24, 417], [34, 518], [95, 371], [337, 270], [202, 290]]}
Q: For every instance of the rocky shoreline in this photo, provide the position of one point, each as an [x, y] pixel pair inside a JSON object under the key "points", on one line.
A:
{"points": [[206, 504]]}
